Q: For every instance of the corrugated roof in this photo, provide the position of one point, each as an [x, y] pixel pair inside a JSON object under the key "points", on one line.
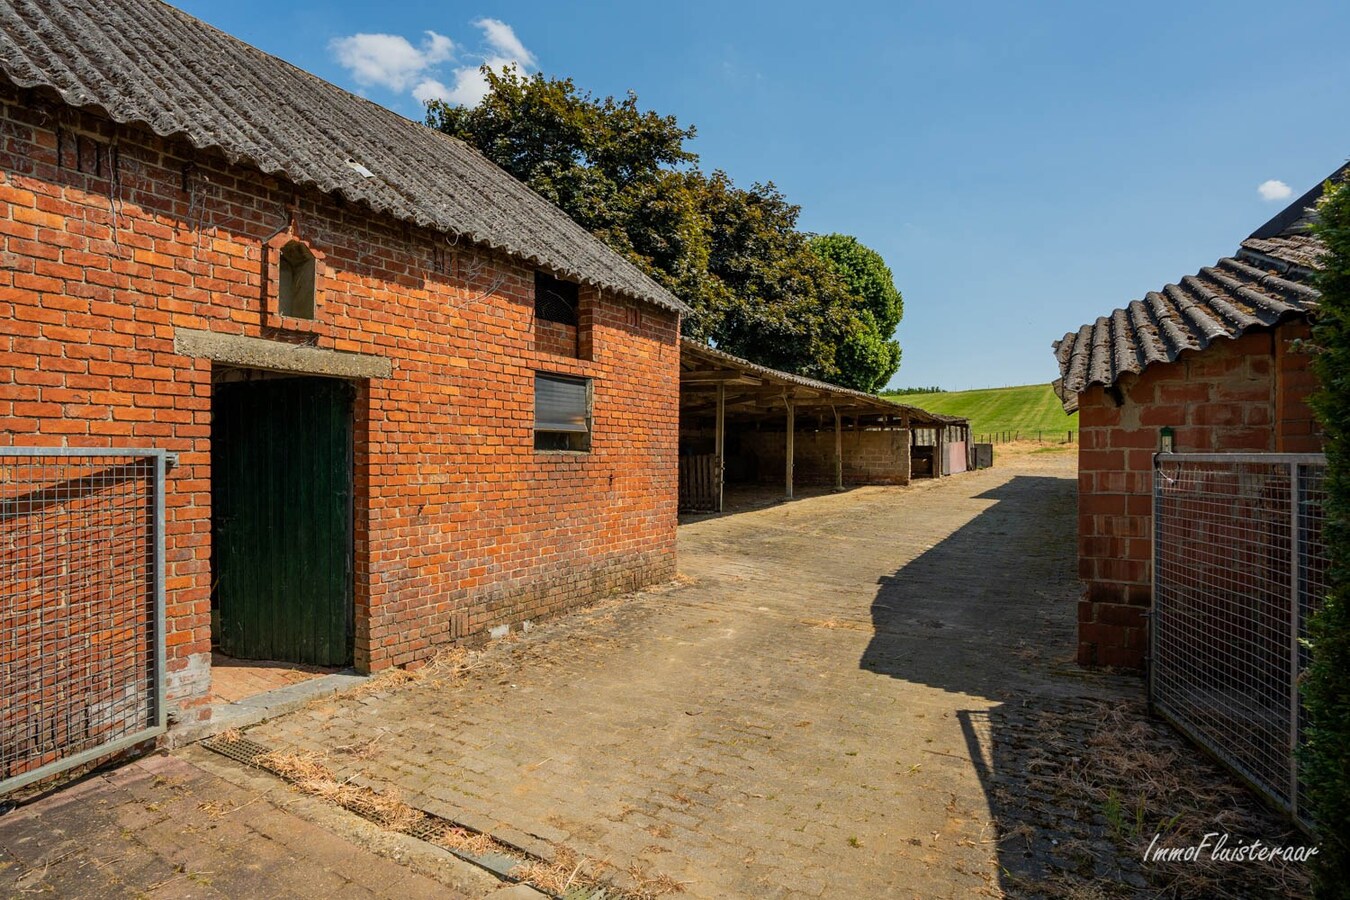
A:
{"points": [[144, 63], [1220, 301], [1264, 285], [702, 353]]}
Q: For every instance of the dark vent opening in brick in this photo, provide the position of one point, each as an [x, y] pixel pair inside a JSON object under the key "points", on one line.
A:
{"points": [[295, 292], [555, 300]]}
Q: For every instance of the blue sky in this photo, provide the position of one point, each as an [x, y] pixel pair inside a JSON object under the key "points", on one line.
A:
{"points": [[1023, 168]]}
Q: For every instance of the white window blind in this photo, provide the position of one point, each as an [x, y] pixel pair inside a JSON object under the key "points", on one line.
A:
{"points": [[560, 404]]}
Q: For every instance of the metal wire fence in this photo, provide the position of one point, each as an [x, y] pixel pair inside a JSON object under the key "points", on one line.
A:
{"points": [[1042, 436], [81, 606], [1239, 565]]}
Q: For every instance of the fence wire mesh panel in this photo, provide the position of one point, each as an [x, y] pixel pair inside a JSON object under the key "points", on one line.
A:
{"points": [[81, 607], [1238, 567]]}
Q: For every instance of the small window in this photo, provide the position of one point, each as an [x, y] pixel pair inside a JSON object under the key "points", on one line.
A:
{"points": [[295, 292], [562, 413], [555, 300]]}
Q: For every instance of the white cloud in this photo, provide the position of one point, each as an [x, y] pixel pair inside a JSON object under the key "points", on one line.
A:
{"points": [[470, 87], [1274, 190], [505, 45], [430, 89], [391, 61], [504, 49]]}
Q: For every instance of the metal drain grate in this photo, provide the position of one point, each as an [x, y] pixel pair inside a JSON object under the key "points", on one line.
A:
{"points": [[238, 749]]}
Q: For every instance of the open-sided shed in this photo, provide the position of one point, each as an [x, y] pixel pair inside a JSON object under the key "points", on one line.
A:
{"points": [[744, 424]]}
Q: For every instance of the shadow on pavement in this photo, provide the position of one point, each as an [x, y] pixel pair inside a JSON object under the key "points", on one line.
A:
{"points": [[989, 611]]}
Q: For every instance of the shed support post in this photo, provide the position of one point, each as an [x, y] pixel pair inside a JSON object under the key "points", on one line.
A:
{"points": [[719, 442], [791, 433], [838, 451], [939, 436], [907, 447]]}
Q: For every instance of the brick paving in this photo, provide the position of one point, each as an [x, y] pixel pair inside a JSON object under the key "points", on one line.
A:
{"points": [[233, 680], [858, 695], [807, 715], [166, 827]]}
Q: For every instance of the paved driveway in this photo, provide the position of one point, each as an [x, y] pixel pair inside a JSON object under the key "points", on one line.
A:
{"points": [[806, 715]]}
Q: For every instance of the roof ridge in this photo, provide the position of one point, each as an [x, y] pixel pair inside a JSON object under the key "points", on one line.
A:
{"points": [[296, 126]]}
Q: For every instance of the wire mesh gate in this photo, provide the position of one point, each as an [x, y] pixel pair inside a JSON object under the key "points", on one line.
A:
{"points": [[1239, 565], [81, 606]]}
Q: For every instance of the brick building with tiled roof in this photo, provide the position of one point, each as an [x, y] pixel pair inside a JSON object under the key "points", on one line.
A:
{"points": [[1217, 362]]}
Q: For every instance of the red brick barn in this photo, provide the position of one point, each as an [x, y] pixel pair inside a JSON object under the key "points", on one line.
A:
{"points": [[410, 401], [1215, 359]]}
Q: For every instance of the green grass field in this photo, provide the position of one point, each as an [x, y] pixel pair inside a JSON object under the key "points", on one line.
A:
{"points": [[1028, 409]]}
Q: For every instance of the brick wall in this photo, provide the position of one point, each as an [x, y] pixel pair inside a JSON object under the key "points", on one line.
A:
{"points": [[1243, 395], [111, 239], [870, 457]]}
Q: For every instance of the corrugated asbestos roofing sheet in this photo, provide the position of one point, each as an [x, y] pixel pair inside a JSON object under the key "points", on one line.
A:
{"points": [[1263, 286], [142, 62], [702, 353]]}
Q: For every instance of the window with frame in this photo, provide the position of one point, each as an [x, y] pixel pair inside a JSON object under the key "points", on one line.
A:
{"points": [[562, 413], [555, 300]]}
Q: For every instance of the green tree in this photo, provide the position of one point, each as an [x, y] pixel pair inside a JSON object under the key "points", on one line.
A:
{"points": [[775, 302], [870, 354], [614, 168], [1325, 757], [756, 286]]}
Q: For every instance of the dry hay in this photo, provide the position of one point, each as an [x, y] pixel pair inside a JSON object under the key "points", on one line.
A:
{"points": [[308, 773], [567, 872], [462, 840], [559, 876], [648, 886], [445, 666], [1146, 782]]}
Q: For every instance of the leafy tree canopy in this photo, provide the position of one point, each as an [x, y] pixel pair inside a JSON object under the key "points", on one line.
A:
{"points": [[870, 355], [758, 286]]}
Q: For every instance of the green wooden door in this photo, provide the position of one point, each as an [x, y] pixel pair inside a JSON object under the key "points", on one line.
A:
{"points": [[281, 457]]}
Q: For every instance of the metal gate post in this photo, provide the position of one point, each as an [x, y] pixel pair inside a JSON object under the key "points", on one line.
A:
{"points": [[1295, 592], [160, 525], [1151, 615]]}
